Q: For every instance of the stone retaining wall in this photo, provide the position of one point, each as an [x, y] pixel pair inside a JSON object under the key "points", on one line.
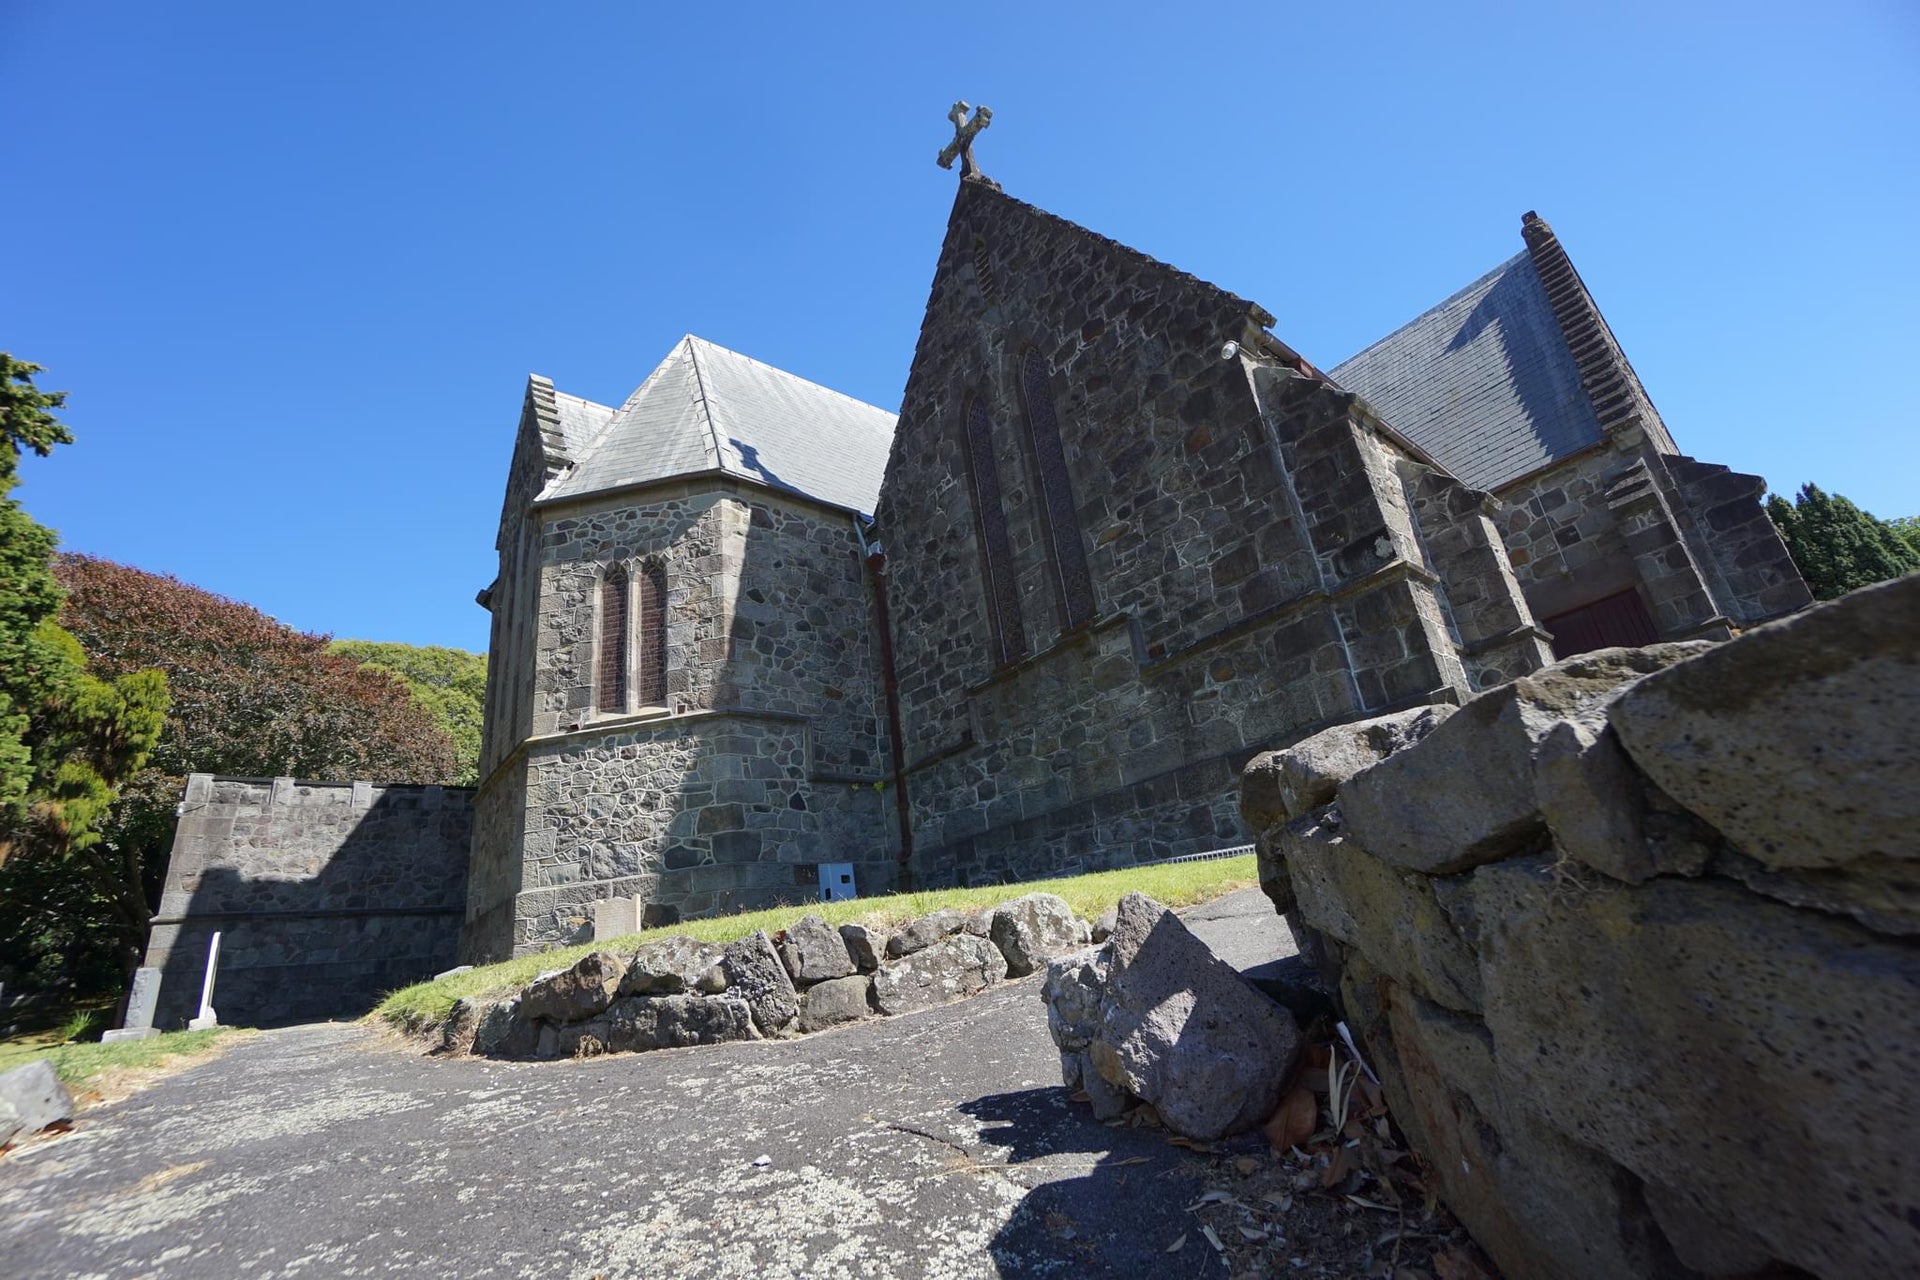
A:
{"points": [[326, 895], [1634, 943], [677, 992]]}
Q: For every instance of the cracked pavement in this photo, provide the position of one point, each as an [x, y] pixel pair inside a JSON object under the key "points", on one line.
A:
{"points": [[932, 1145]]}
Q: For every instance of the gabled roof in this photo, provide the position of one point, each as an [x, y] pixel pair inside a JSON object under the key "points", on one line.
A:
{"points": [[1484, 381], [705, 408], [580, 421]]}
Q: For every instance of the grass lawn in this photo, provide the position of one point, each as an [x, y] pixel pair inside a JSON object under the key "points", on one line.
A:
{"points": [[81, 1064], [1182, 884]]}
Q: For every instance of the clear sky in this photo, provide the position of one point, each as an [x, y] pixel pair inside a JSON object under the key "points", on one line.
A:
{"points": [[294, 261]]}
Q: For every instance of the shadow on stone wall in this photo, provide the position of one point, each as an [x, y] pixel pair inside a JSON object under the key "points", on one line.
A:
{"points": [[323, 906]]}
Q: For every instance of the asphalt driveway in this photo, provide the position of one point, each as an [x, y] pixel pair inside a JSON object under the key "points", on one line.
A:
{"points": [[937, 1144]]}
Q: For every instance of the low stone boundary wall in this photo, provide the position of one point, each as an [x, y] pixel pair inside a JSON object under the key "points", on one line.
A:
{"points": [[1634, 943], [327, 895], [677, 992]]}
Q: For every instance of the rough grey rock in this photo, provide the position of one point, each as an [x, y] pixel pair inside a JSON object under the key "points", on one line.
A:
{"points": [[583, 1039], [1103, 927], [1468, 796], [1593, 803], [505, 1032], [962, 964], [1680, 981], [866, 944], [1881, 893], [755, 974], [927, 930], [1398, 917], [1541, 1204], [1709, 1247], [673, 965], [31, 1098], [1800, 740], [837, 1000], [573, 995], [1181, 1029], [637, 1023], [1030, 928], [1072, 993], [1106, 1099], [1280, 786], [814, 951], [463, 1020]]}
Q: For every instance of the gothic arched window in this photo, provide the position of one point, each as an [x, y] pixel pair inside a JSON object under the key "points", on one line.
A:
{"points": [[652, 664], [1059, 514], [610, 680], [996, 548]]}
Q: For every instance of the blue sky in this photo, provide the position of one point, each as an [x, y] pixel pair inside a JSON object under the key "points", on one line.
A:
{"points": [[293, 262]]}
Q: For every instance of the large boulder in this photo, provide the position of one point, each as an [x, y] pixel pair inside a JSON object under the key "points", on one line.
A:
{"points": [[1756, 1055], [814, 951], [837, 1000], [1799, 741], [962, 964], [575, 994], [755, 975], [637, 1023], [919, 934], [1181, 1028], [674, 965], [31, 1098], [1468, 796], [1029, 929]]}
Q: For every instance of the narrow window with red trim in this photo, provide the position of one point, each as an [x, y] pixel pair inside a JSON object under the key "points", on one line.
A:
{"points": [[653, 635], [610, 684]]}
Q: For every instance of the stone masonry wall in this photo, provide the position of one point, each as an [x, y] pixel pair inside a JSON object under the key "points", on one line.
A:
{"points": [[1634, 944], [327, 896], [765, 760], [1255, 566], [1690, 538]]}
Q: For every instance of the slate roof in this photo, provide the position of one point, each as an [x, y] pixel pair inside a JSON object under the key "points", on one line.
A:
{"points": [[580, 421], [706, 408], [1483, 382]]}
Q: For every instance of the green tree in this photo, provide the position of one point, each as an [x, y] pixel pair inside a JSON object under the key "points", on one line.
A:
{"points": [[451, 684], [1837, 546], [72, 906], [28, 593], [1908, 527]]}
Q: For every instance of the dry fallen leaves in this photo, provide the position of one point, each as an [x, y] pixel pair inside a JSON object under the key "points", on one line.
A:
{"points": [[1294, 1120]]}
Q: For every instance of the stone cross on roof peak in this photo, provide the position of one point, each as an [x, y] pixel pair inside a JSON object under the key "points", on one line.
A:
{"points": [[964, 132]]}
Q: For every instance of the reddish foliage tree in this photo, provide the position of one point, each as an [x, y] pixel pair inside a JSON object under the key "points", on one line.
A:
{"points": [[252, 697]]}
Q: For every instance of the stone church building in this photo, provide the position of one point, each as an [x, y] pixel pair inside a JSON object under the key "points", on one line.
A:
{"points": [[1120, 538], [750, 634]]}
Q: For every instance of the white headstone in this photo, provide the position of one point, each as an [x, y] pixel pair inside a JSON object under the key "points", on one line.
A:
{"points": [[613, 917], [207, 1017]]}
